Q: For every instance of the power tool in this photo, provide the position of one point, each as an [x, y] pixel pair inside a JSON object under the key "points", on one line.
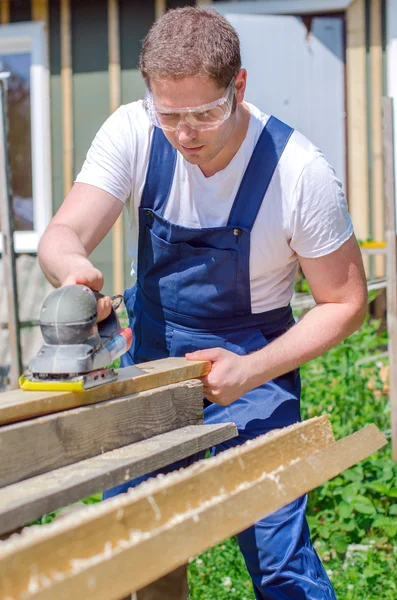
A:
{"points": [[77, 349]]}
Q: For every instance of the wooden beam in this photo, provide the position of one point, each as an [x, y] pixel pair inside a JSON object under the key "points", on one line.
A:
{"points": [[67, 95], [160, 6], [391, 259], [39, 445], [4, 12], [357, 117], [115, 101], [377, 154], [114, 54], [109, 550], [19, 404], [40, 11], [27, 500]]}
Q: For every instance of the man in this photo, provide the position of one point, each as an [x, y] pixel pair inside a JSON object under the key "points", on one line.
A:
{"points": [[225, 202]]}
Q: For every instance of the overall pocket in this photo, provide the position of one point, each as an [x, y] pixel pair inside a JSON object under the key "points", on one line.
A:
{"points": [[194, 281]]}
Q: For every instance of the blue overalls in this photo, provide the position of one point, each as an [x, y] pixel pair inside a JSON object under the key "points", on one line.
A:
{"points": [[193, 293]]}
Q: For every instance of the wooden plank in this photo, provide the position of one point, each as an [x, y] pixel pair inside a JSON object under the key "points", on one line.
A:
{"points": [[4, 12], [40, 11], [39, 445], [19, 405], [376, 113], [67, 95], [357, 117], [159, 8], [391, 259], [28, 500], [109, 550], [115, 101], [114, 54]]}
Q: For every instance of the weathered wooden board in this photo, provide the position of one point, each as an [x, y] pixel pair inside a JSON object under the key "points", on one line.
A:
{"points": [[127, 542], [39, 445], [121, 545], [18, 405], [22, 502]]}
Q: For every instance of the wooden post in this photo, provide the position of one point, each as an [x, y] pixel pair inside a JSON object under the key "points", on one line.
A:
{"points": [[40, 11], [160, 6], [7, 228], [357, 118], [377, 158], [115, 101], [391, 260], [4, 12], [67, 98]]}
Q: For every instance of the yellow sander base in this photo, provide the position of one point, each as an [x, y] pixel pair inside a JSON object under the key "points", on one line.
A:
{"points": [[51, 386], [78, 383]]}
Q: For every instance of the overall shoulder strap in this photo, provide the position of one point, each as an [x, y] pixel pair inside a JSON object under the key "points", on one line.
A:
{"points": [[259, 172], [160, 172]]}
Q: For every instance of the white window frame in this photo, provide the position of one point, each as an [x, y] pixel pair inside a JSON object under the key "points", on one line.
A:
{"points": [[32, 38]]}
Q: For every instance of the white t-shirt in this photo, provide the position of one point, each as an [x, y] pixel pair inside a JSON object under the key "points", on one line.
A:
{"points": [[303, 213]]}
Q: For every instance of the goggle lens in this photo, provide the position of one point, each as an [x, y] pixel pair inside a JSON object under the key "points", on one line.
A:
{"points": [[197, 120], [206, 117]]}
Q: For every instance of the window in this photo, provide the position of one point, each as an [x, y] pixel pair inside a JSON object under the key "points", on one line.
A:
{"points": [[23, 53]]}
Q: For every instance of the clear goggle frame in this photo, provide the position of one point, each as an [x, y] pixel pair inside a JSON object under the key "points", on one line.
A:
{"points": [[206, 116]]}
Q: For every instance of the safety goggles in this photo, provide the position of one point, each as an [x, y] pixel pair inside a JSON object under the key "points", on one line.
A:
{"points": [[206, 116]]}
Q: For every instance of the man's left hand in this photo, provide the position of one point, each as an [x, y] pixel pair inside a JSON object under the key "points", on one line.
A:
{"points": [[228, 379]]}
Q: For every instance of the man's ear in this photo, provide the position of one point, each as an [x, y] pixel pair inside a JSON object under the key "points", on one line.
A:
{"points": [[240, 83]]}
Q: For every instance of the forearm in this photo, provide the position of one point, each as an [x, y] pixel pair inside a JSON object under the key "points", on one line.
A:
{"points": [[60, 253], [322, 328]]}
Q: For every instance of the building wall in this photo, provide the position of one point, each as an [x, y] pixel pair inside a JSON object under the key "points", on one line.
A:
{"points": [[79, 62]]}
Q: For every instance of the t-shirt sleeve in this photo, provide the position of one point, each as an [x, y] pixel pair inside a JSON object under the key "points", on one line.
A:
{"points": [[320, 221], [108, 163]]}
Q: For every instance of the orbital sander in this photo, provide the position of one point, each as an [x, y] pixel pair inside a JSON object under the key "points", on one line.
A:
{"points": [[77, 350]]}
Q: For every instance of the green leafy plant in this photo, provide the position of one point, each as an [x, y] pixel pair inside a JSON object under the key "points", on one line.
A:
{"points": [[353, 518]]}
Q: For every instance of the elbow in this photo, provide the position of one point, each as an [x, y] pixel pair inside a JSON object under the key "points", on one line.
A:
{"points": [[44, 246], [359, 313], [361, 316]]}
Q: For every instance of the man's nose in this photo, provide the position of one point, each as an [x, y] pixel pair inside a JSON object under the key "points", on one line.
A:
{"points": [[185, 133]]}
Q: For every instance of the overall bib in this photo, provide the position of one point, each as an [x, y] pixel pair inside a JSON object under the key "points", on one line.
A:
{"points": [[193, 293]]}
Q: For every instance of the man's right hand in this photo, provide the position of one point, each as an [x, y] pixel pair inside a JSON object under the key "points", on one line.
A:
{"points": [[92, 278], [82, 221]]}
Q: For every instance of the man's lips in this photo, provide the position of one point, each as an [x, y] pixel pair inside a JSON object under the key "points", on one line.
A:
{"points": [[193, 150]]}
